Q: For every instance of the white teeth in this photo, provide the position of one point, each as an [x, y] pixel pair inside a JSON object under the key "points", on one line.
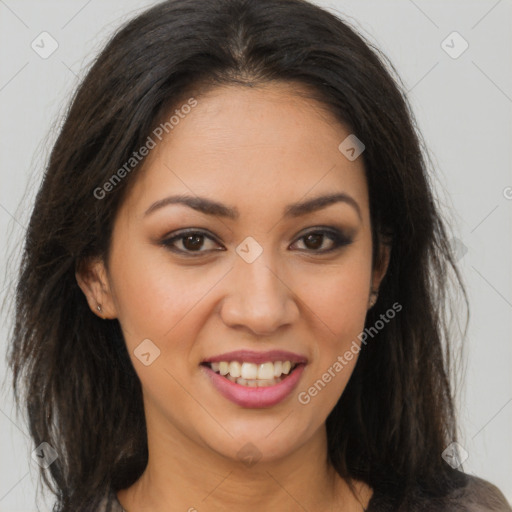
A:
{"points": [[223, 368], [265, 374], [266, 371], [252, 383], [235, 369], [249, 371], [267, 382]]}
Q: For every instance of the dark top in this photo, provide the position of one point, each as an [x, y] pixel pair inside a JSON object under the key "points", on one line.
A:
{"points": [[473, 495]]}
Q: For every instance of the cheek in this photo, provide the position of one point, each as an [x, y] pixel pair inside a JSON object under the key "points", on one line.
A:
{"points": [[339, 305], [337, 295], [339, 302], [152, 296]]}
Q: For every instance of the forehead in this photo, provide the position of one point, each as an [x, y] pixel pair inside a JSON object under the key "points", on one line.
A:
{"points": [[252, 145]]}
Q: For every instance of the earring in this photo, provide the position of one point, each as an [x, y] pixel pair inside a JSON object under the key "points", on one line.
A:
{"points": [[373, 299], [98, 307]]}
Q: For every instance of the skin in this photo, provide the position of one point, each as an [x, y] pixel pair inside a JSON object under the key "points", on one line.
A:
{"points": [[256, 149]]}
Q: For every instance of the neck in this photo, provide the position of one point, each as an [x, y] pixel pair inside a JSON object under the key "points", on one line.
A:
{"points": [[191, 477]]}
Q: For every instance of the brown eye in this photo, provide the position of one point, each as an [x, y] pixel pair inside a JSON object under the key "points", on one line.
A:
{"points": [[315, 239], [189, 242], [193, 242]]}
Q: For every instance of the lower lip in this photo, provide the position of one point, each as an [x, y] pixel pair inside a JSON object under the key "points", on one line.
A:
{"points": [[255, 397]]}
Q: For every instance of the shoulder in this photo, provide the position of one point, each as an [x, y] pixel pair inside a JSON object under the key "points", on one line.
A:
{"points": [[479, 495], [465, 493]]}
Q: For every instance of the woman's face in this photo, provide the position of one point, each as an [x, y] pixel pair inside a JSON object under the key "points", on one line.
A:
{"points": [[258, 271]]}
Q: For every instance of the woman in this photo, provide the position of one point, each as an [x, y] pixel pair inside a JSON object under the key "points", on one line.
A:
{"points": [[232, 293]]}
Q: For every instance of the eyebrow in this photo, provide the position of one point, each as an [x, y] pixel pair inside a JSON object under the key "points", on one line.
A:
{"points": [[214, 208]]}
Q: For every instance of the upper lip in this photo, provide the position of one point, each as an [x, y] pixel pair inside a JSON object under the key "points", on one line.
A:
{"points": [[250, 356]]}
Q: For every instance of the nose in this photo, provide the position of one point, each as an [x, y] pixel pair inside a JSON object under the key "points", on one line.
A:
{"points": [[259, 299]]}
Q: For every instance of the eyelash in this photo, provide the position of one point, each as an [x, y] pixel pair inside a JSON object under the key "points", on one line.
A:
{"points": [[338, 238]]}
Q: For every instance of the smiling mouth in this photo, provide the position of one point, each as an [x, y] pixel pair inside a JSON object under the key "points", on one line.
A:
{"points": [[253, 375]]}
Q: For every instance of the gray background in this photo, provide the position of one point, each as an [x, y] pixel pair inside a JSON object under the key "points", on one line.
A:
{"points": [[463, 106]]}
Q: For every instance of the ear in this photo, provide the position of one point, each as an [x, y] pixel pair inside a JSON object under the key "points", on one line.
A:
{"points": [[93, 279], [380, 266]]}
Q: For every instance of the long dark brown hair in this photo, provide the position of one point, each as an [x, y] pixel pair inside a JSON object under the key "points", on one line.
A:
{"points": [[71, 370]]}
